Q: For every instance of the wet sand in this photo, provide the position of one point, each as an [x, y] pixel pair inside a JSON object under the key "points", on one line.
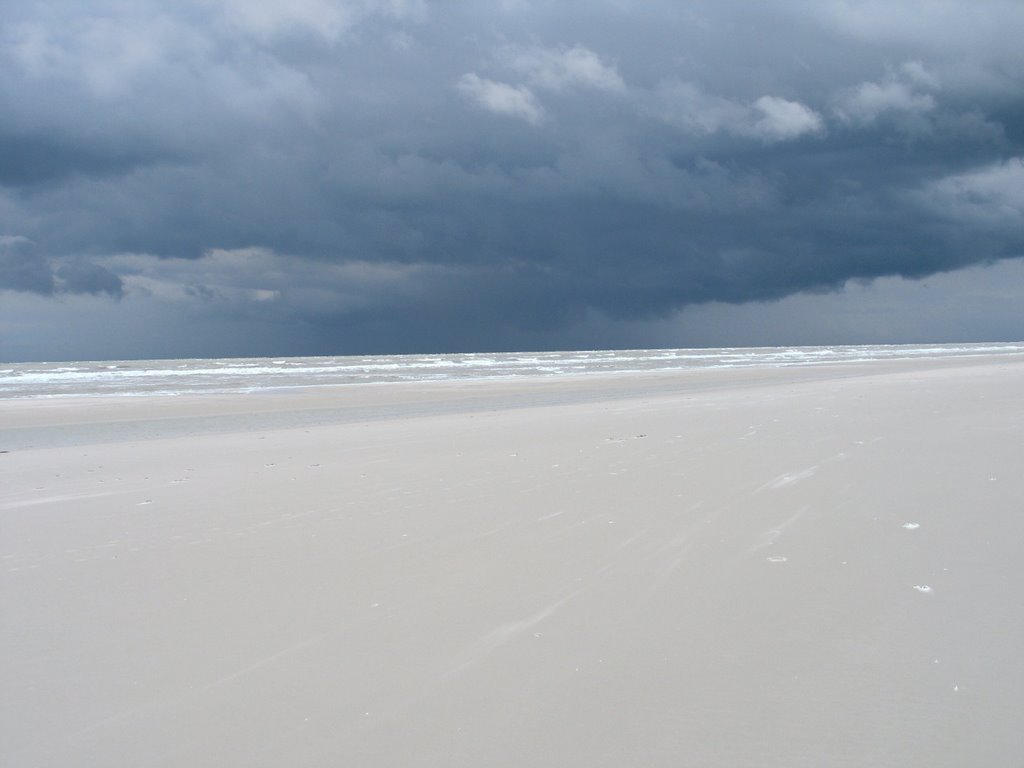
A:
{"points": [[815, 566]]}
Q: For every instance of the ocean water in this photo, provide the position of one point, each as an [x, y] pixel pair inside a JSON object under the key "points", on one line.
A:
{"points": [[232, 375]]}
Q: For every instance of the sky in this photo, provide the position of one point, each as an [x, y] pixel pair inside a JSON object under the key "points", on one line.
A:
{"points": [[295, 177]]}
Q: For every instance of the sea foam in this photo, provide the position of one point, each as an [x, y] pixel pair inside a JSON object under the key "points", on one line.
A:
{"points": [[231, 375]]}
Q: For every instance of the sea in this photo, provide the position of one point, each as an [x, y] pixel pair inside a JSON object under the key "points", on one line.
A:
{"points": [[238, 375]]}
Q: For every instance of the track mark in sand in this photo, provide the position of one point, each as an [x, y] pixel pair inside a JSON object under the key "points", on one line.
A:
{"points": [[675, 552], [788, 479], [504, 634], [623, 544], [155, 706], [548, 517], [260, 664], [39, 500], [768, 537], [493, 531]]}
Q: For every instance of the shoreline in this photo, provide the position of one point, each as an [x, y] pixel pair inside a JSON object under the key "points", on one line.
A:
{"points": [[243, 375], [52, 421]]}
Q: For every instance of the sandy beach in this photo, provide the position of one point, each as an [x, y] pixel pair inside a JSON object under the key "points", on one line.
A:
{"points": [[813, 566]]}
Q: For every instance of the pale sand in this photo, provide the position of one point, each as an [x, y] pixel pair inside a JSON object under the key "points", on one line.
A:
{"points": [[693, 569]]}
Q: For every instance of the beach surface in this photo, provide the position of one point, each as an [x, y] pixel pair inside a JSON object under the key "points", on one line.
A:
{"points": [[814, 566]]}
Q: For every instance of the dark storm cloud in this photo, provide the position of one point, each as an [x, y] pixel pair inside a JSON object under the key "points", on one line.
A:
{"points": [[28, 160], [22, 269], [433, 175], [80, 276]]}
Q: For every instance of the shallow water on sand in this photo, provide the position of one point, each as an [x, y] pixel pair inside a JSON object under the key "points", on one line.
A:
{"points": [[231, 375]]}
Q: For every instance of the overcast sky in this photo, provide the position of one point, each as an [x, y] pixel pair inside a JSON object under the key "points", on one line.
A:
{"points": [[235, 178]]}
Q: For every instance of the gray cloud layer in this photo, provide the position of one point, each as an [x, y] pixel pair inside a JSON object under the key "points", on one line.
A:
{"points": [[420, 175]]}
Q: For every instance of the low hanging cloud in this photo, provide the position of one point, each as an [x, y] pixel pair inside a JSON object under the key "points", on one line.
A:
{"points": [[545, 69], [769, 118], [269, 18], [83, 276], [234, 279], [781, 119], [686, 106], [992, 197], [907, 91], [555, 69], [24, 269], [328, 20], [502, 98]]}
